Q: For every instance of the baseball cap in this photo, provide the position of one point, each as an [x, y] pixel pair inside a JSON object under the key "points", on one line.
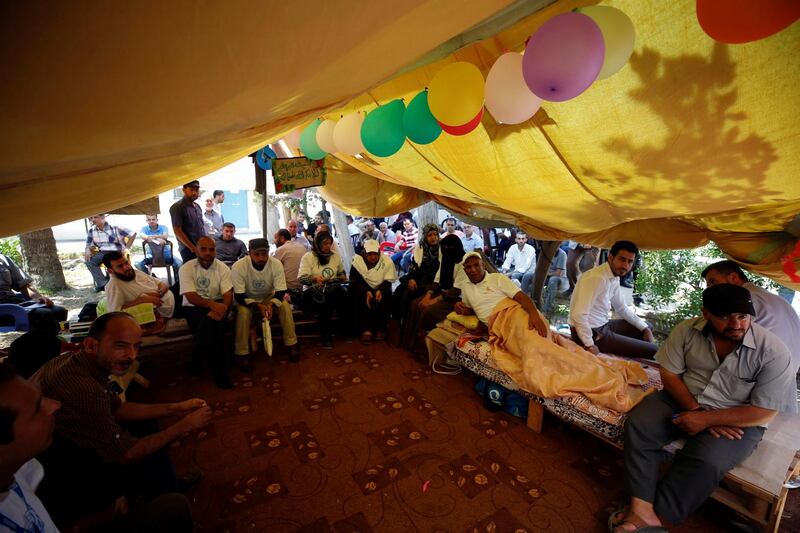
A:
{"points": [[726, 298], [192, 184], [371, 245], [258, 244], [471, 254]]}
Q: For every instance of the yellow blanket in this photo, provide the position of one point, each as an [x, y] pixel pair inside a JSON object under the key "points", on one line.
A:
{"points": [[555, 366]]}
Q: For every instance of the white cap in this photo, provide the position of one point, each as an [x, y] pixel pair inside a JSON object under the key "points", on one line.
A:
{"points": [[371, 245]]}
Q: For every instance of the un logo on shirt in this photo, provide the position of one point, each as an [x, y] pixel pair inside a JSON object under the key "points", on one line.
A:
{"points": [[259, 284], [203, 282]]}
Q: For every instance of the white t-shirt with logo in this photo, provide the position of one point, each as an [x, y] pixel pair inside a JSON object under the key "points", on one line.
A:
{"points": [[14, 508], [210, 283], [257, 284], [120, 292], [483, 297]]}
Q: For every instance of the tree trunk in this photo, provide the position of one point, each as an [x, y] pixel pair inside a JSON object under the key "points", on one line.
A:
{"points": [[548, 252], [428, 214], [41, 259]]}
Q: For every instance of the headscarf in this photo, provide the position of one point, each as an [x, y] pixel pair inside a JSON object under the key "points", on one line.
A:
{"points": [[452, 253], [318, 240], [429, 253]]}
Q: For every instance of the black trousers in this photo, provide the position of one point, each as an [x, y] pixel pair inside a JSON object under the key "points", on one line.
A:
{"points": [[336, 298], [696, 469], [620, 338], [209, 341], [374, 317]]}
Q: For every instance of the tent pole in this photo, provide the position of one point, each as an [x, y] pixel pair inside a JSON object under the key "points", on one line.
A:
{"points": [[264, 213]]}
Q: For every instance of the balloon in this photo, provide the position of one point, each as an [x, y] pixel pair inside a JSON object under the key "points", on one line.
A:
{"points": [[347, 134], [508, 98], [292, 139], [324, 136], [563, 57], [618, 34], [456, 92], [382, 132], [418, 122], [744, 21], [308, 141], [464, 128], [264, 157]]}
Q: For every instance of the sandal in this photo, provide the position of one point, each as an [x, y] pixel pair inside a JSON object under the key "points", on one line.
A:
{"points": [[640, 525]]}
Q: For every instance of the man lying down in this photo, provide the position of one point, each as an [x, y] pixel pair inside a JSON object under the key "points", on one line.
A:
{"points": [[537, 359]]}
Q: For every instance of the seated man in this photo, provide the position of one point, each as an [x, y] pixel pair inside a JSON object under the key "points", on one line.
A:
{"points": [[538, 360], [16, 288], [596, 292], [556, 282], [259, 286], [290, 252], [129, 287], [404, 245], [724, 379], [229, 248], [297, 236], [101, 239], [472, 239], [370, 290], [207, 296], [156, 236], [519, 258], [449, 227], [369, 231], [96, 456], [386, 234]]}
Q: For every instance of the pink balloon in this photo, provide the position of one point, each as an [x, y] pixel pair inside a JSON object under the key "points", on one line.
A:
{"points": [[563, 57]]}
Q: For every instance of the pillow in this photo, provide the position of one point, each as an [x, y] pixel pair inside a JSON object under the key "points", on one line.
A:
{"points": [[469, 322]]}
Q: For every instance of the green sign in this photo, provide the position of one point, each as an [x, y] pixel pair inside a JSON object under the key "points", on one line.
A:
{"points": [[294, 173]]}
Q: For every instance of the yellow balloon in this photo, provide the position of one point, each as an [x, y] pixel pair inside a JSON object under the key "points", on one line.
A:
{"points": [[618, 33], [456, 93]]}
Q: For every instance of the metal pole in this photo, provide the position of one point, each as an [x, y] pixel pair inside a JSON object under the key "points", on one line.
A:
{"points": [[264, 212]]}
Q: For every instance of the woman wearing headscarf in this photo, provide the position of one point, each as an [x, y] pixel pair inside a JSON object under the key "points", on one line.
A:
{"points": [[421, 273], [432, 306], [321, 273], [371, 278]]}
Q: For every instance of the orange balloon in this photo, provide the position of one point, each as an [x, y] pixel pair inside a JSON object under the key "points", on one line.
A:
{"points": [[744, 21]]}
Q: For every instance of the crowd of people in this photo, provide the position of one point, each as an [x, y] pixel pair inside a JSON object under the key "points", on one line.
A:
{"points": [[725, 373]]}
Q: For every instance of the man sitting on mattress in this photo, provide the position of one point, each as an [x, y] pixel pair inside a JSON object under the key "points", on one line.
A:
{"points": [[538, 360]]}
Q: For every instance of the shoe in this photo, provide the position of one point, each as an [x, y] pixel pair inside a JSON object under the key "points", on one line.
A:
{"points": [[366, 338], [189, 481], [793, 483], [294, 353], [223, 382]]}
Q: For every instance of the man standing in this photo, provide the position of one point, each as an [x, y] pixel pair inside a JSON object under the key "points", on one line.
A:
{"points": [[129, 287], [187, 220], [155, 236], [101, 239], [207, 296], [229, 248], [96, 457], [259, 286], [580, 258], [471, 240], [596, 292], [556, 282], [724, 379], [219, 198], [212, 219], [16, 288], [521, 256], [290, 252], [771, 311], [297, 236]]}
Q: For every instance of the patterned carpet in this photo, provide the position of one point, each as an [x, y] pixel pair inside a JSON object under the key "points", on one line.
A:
{"points": [[368, 439]]}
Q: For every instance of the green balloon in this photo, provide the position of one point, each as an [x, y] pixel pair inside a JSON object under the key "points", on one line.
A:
{"points": [[308, 142], [382, 131], [419, 123]]}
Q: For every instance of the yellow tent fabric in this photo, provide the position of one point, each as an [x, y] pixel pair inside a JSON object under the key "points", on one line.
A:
{"points": [[106, 104]]}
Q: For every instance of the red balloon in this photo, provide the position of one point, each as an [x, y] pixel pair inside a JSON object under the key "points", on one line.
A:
{"points": [[744, 21], [464, 128]]}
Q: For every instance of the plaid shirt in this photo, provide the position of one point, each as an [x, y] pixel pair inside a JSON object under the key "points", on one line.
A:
{"points": [[108, 239]]}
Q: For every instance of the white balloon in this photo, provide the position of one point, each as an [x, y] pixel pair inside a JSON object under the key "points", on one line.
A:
{"points": [[347, 134], [292, 139], [618, 34], [508, 97], [325, 136]]}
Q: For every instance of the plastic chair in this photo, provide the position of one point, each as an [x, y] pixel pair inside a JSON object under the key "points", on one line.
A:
{"points": [[18, 313], [158, 259]]}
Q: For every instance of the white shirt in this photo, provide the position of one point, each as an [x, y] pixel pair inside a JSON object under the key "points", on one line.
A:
{"points": [[27, 478], [310, 266], [483, 297], [209, 283], [301, 239], [521, 259], [352, 229], [120, 292], [596, 292], [257, 284], [473, 242]]}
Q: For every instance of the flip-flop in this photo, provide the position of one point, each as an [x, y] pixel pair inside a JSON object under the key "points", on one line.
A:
{"points": [[636, 520], [614, 519]]}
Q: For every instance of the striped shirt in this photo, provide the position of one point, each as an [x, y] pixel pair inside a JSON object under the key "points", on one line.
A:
{"points": [[408, 238], [108, 239], [86, 416]]}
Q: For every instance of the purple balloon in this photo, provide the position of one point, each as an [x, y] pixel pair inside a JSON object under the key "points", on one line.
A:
{"points": [[563, 57]]}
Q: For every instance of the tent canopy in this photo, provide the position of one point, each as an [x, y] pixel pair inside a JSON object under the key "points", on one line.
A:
{"points": [[692, 140]]}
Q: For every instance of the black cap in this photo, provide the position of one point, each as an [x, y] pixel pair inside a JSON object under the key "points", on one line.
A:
{"points": [[258, 244], [192, 184], [725, 298]]}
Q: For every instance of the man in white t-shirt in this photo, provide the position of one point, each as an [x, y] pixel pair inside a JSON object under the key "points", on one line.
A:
{"points": [[207, 292], [485, 290], [259, 286], [129, 287], [519, 258]]}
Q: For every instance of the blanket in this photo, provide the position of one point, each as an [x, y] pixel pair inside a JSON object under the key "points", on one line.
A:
{"points": [[557, 367]]}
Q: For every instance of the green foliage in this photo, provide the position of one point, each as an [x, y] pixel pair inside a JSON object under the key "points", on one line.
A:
{"points": [[10, 247]]}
